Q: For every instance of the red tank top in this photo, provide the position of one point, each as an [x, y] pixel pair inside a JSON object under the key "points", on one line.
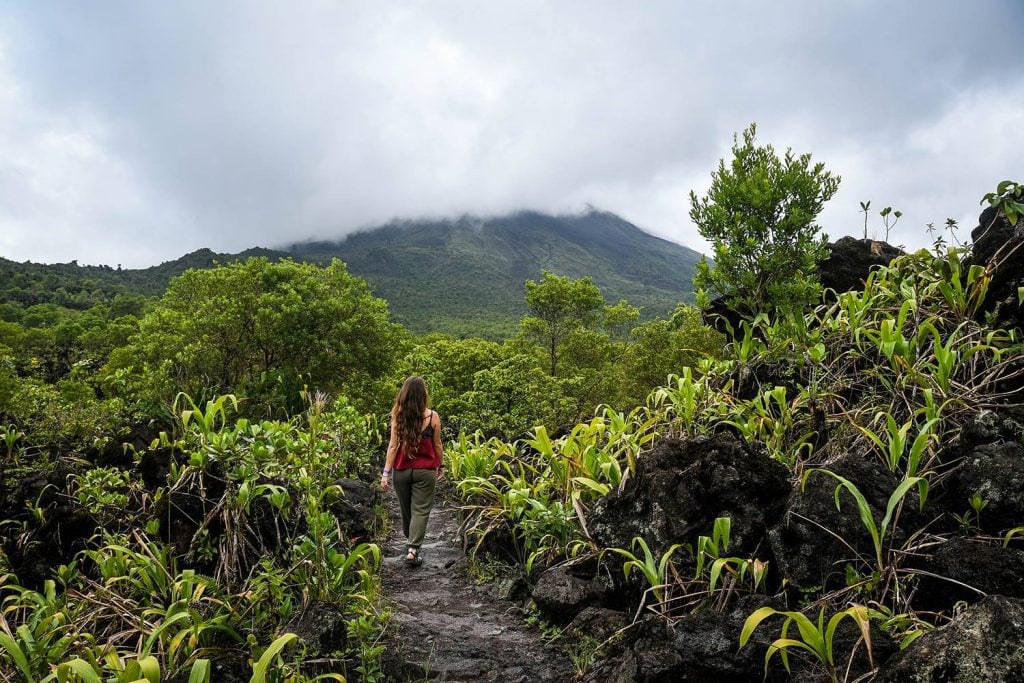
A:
{"points": [[424, 458]]}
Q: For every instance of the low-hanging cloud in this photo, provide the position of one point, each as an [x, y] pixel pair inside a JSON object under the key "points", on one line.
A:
{"points": [[132, 132]]}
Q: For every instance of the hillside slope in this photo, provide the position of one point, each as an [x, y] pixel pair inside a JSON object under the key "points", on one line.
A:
{"points": [[461, 276], [467, 275]]}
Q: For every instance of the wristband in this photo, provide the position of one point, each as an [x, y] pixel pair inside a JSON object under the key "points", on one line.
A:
{"points": [[386, 472]]}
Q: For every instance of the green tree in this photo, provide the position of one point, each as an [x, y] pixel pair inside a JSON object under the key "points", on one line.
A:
{"points": [[514, 396], [759, 217], [664, 347], [559, 306], [449, 365], [620, 319], [262, 330]]}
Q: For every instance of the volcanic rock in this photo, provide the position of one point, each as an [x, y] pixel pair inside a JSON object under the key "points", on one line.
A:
{"points": [[679, 489], [561, 594], [999, 247], [985, 643]]}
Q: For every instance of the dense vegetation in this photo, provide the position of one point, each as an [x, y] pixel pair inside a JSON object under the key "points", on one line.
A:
{"points": [[870, 400], [182, 481], [759, 214], [180, 477]]}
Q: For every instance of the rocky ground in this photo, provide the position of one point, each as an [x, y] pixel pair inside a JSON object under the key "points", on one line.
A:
{"points": [[445, 627]]}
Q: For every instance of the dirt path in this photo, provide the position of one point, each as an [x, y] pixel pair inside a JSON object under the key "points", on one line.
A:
{"points": [[446, 628]]}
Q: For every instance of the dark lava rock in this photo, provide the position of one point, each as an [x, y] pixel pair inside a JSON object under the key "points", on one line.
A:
{"points": [[561, 594], [723, 318], [845, 269], [851, 259], [514, 588], [698, 647], [705, 647], [995, 471], [498, 542], [322, 627], [679, 489], [989, 426], [999, 246], [38, 489], [65, 532], [599, 623], [154, 466], [182, 513], [120, 451], [356, 511], [985, 643], [958, 565], [810, 542]]}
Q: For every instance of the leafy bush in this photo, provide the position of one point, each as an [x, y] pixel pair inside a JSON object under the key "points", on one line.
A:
{"points": [[67, 417], [265, 544], [264, 331], [759, 217]]}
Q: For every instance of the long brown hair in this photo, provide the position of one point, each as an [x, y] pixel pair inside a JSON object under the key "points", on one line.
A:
{"points": [[410, 404]]}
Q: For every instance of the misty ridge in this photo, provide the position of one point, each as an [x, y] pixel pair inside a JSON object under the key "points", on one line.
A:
{"points": [[466, 275]]}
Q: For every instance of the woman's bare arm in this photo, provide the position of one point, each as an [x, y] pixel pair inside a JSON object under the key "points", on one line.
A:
{"points": [[438, 446], [389, 459]]}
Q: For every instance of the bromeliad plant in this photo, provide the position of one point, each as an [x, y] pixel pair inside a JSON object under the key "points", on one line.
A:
{"points": [[893, 444], [716, 578], [733, 571], [37, 630], [690, 404]]}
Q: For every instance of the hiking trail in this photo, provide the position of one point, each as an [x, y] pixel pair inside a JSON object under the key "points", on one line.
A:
{"points": [[445, 627]]}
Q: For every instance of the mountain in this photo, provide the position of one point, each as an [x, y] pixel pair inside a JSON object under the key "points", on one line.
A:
{"points": [[79, 287], [467, 275], [461, 276]]}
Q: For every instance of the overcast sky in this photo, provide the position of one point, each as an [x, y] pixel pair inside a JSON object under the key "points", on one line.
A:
{"points": [[132, 132]]}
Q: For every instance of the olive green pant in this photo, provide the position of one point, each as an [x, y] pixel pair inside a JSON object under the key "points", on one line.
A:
{"points": [[415, 490]]}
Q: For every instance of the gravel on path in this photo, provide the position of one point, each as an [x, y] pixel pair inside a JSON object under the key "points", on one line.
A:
{"points": [[446, 628]]}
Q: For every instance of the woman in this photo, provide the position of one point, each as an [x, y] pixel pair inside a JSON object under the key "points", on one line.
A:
{"points": [[415, 459]]}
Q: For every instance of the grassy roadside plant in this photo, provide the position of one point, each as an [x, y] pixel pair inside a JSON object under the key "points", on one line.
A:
{"points": [[894, 442], [655, 571], [816, 639], [877, 530]]}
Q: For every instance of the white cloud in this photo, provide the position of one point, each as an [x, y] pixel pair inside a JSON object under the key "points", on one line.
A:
{"points": [[64, 195], [134, 132], [939, 169]]}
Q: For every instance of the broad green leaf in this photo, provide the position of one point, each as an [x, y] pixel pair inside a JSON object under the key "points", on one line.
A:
{"points": [[15, 652], [200, 672], [753, 621], [898, 495], [259, 671]]}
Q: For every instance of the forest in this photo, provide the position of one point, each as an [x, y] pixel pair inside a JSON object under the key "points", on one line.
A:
{"points": [[827, 480]]}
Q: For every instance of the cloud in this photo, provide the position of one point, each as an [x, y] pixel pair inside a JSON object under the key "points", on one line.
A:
{"points": [[133, 132]]}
